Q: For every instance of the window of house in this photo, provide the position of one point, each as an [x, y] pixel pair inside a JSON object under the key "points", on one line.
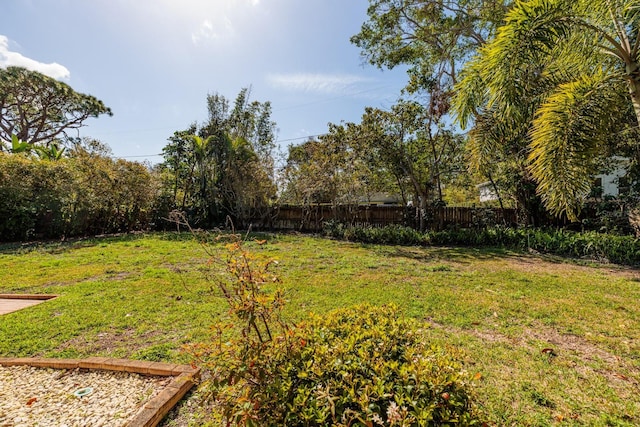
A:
{"points": [[596, 187]]}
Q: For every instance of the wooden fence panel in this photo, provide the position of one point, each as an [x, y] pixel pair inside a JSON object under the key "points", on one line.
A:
{"points": [[312, 218]]}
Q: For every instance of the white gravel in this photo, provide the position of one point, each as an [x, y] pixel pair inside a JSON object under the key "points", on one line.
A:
{"points": [[38, 397]]}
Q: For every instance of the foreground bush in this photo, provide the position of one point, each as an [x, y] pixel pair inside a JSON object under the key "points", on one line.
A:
{"points": [[361, 366]]}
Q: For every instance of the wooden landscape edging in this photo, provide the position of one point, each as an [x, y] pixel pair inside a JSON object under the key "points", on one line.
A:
{"points": [[155, 409], [29, 296]]}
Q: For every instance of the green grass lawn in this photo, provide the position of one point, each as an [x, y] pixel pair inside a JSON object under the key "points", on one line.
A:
{"points": [[145, 296]]}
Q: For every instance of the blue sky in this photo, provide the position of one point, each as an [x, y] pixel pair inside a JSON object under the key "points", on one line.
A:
{"points": [[154, 61]]}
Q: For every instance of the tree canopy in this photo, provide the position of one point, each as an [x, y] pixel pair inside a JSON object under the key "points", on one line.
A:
{"points": [[432, 37], [225, 165], [558, 86], [39, 110], [404, 151]]}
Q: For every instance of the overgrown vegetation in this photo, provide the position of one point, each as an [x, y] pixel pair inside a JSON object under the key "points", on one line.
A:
{"points": [[588, 245], [145, 296], [86, 194], [359, 366], [223, 167]]}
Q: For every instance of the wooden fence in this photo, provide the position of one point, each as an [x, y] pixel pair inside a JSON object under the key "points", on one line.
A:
{"points": [[312, 218]]}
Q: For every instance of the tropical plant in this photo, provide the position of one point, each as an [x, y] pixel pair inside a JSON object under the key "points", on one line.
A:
{"points": [[224, 167], [54, 151], [17, 146], [558, 86], [51, 151]]}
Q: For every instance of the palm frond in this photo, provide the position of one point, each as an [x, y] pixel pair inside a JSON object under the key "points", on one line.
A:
{"points": [[567, 135], [470, 93], [521, 47]]}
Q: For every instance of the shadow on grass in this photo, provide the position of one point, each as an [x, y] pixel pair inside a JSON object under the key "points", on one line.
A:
{"points": [[214, 236], [429, 254], [467, 255], [61, 246]]}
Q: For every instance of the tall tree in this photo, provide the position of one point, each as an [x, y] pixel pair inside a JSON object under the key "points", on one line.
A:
{"points": [[326, 170], [408, 142], [175, 155], [245, 164], [404, 151], [432, 37], [39, 109], [225, 165], [561, 82]]}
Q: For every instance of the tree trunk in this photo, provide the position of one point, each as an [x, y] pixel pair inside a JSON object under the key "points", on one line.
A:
{"points": [[495, 189], [530, 202], [633, 71], [423, 212]]}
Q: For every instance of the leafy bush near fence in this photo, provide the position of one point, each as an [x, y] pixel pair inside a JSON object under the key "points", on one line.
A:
{"points": [[83, 195], [591, 245], [31, 195], [389, 235]]}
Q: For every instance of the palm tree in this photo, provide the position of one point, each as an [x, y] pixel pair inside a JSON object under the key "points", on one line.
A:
{"points": [[561, 83]]}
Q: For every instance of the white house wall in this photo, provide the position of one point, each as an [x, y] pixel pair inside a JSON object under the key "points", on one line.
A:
{"points": [[610, 182]]}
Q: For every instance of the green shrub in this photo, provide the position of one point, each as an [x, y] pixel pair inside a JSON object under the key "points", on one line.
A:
{"points": [[590, 245], [366, 365], [388, 235], [333, 228], [32, 197], [361, 366], [74, 196]]}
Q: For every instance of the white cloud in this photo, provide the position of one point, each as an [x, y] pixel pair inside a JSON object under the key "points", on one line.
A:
{"points": [[9, 58], [323, 83], [208, 30], [223, 16], [204, 32]]}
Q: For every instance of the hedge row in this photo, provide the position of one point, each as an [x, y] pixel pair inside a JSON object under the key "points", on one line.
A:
{"points": [[74, 196], [591, 245]]}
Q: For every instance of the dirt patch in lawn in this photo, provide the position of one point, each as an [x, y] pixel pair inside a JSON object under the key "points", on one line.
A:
{"points": [[572, 344], [552, 265], [109, 342], [591, 359]]}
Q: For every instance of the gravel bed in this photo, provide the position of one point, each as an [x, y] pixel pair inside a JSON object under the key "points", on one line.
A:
{"points": [[38, 397]]}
